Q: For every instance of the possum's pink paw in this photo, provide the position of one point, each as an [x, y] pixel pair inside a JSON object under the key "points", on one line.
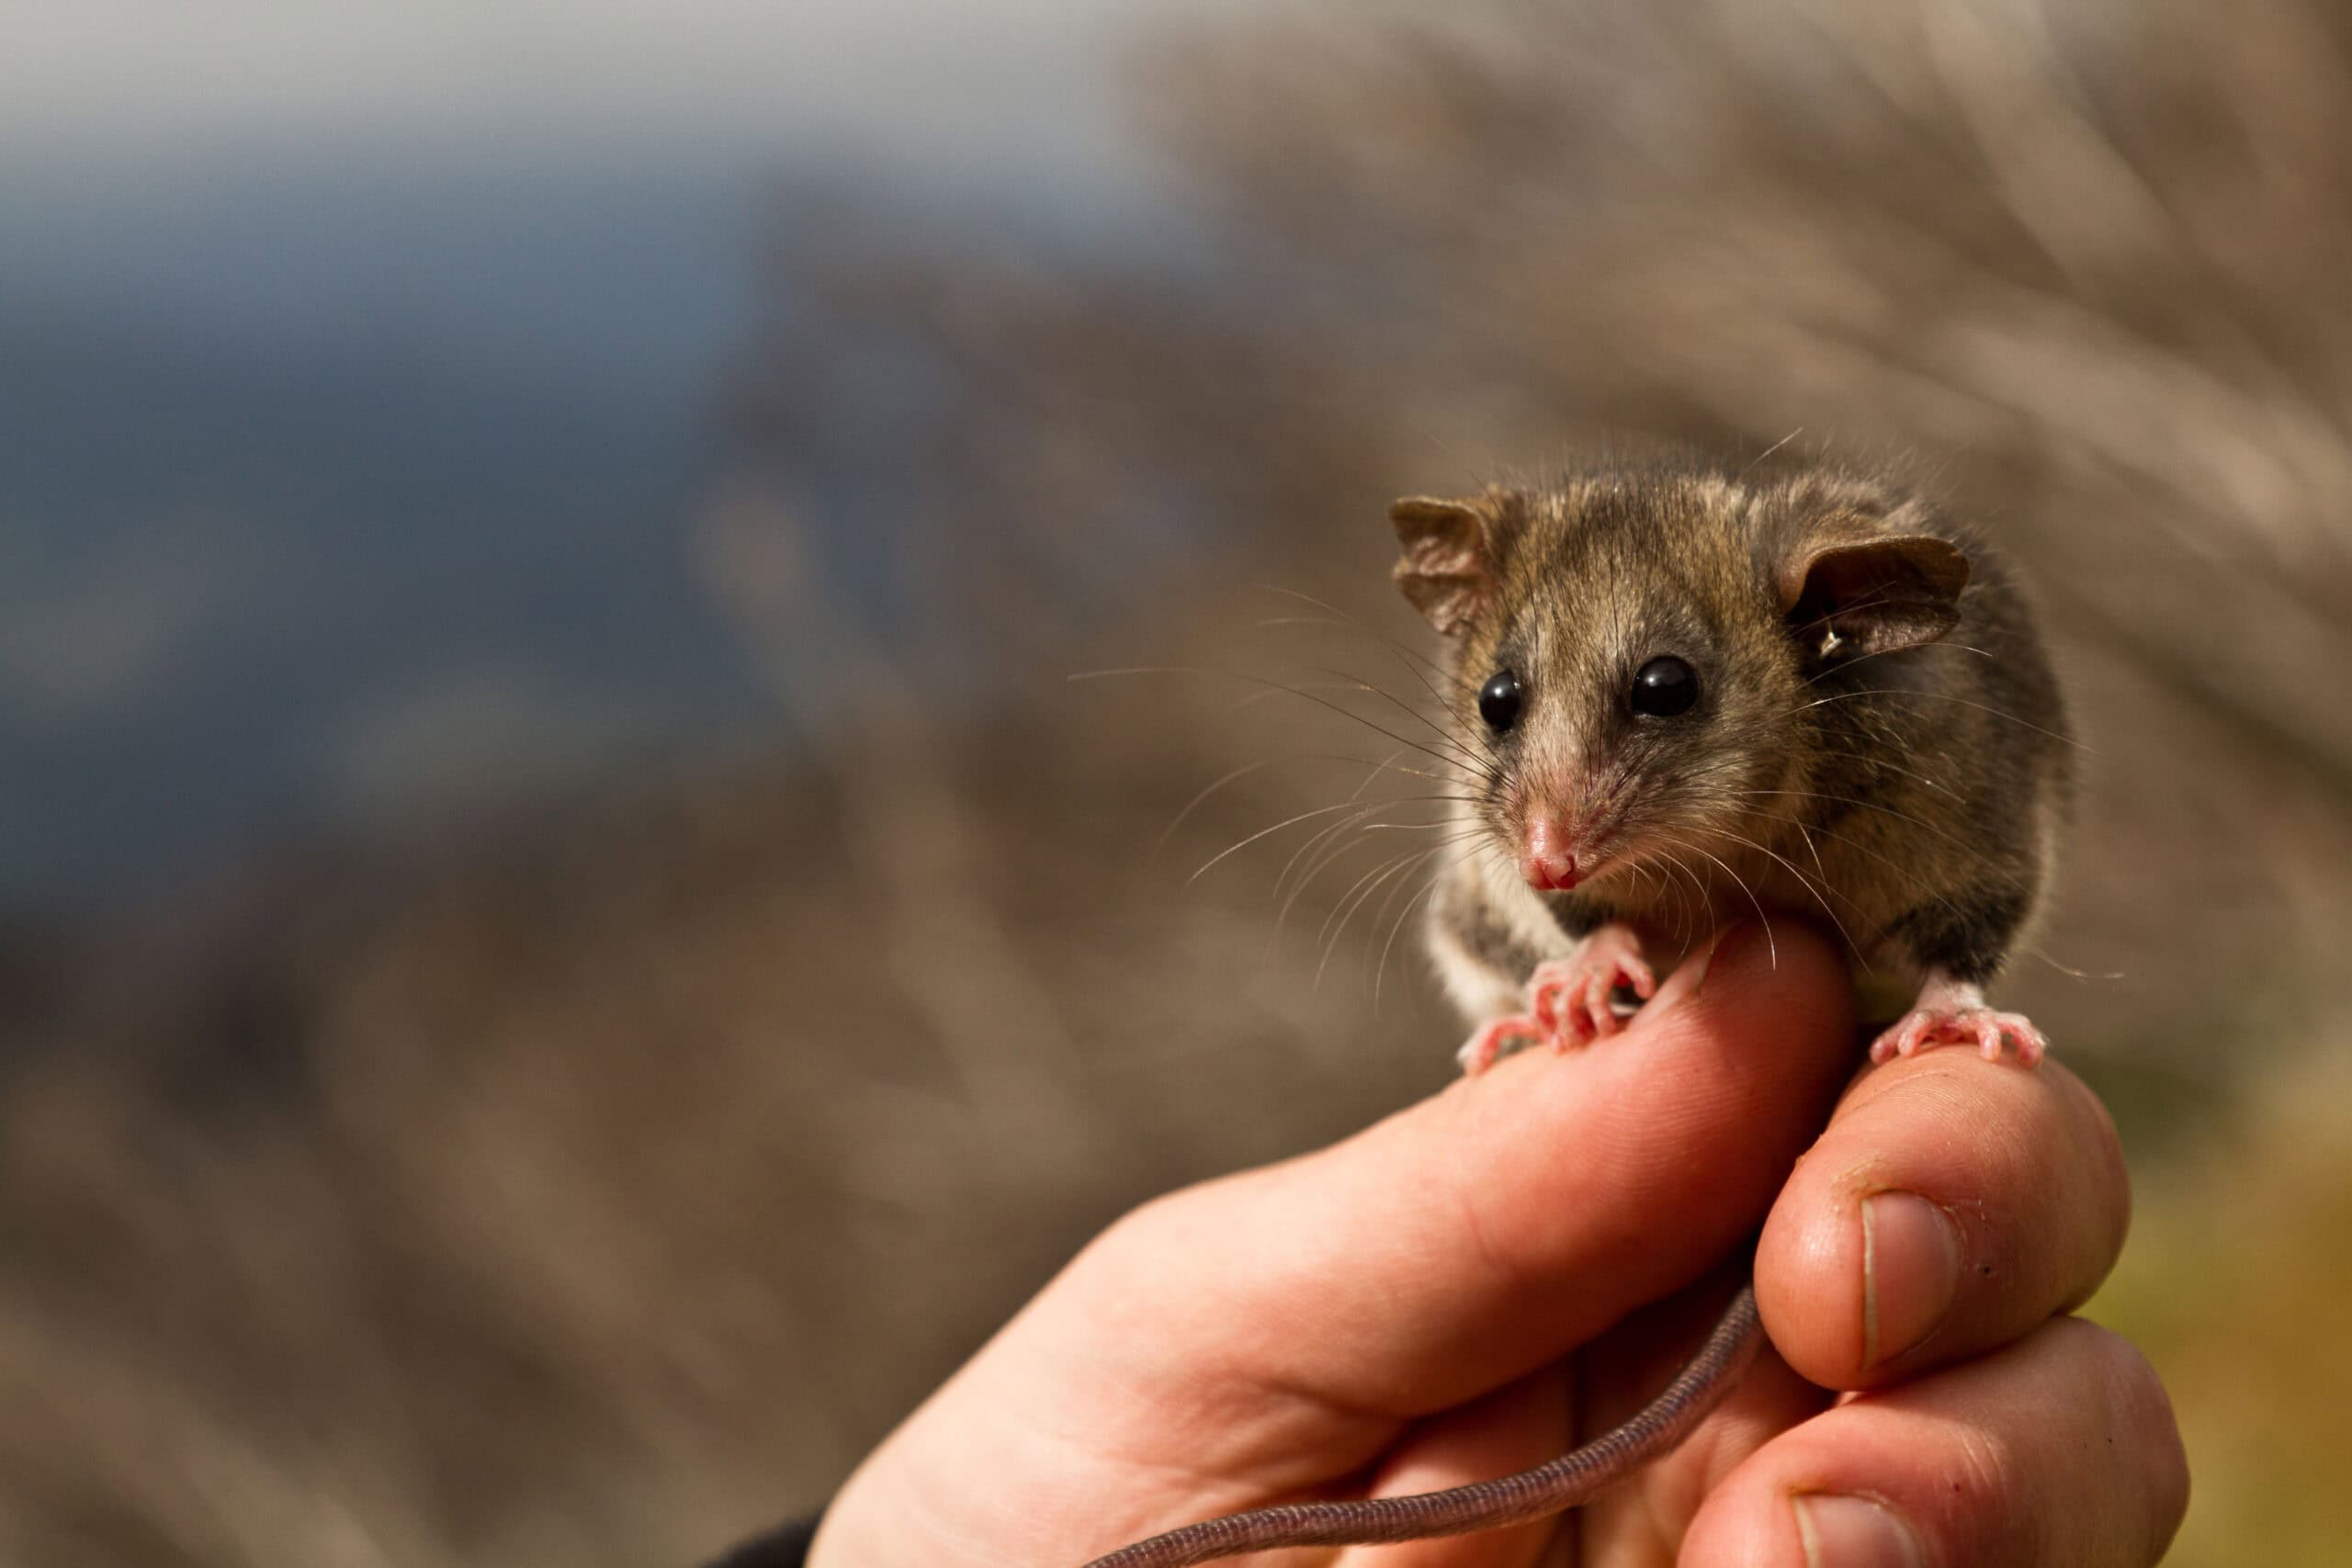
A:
{"points": [[1574, 998], [1977, 1026], [1570, 1001], [1493, 1038]]}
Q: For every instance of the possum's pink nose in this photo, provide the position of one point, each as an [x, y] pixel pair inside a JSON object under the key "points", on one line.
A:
{"points": [[1547, 857]]}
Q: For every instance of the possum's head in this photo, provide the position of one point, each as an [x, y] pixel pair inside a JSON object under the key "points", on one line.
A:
{"points": [[1633, 652]]}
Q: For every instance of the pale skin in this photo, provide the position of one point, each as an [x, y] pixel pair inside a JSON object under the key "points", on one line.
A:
{"points": [[1462, 1291]]}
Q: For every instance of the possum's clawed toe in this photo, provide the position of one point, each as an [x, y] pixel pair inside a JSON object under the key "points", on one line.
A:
{"points": [[1574, 999], [1981, 1027], [1953, 1012], [1494, 1041]]}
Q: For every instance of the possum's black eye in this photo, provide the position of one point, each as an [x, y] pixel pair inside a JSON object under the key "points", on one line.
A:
{"points": [[1664, 687], [1498, 700]]}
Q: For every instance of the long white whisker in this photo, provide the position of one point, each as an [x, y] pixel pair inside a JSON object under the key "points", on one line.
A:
{"points": [[1263, 832], [1357, 682], [1329, 835], [1940, 696], [1744, 887], [1847, 664], [1956, 841], [1380, 917], [1877, 760], [1394, 866], [1343, 712], [1913, 878], [1819, 892], [1412, 661], [1199, 800], [1380, 969], [1319, 853]]}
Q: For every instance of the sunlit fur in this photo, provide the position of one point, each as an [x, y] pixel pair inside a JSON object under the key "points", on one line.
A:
{"points": [[1899, 798]]}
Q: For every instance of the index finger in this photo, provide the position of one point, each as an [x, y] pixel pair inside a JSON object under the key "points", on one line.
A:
{"points": [[1487, 1231]]}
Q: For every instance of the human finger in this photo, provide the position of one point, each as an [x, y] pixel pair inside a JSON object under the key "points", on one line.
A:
{"points": [[1481, 1234], [1952, 1205], [2059, 1450]]}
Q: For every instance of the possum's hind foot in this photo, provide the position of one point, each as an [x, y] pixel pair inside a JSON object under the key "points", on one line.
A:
{"points": [[1952, 1014]]}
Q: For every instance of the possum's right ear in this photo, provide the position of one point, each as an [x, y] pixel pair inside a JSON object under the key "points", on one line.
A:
{"points": [[1871, 594], [1452, 556]]}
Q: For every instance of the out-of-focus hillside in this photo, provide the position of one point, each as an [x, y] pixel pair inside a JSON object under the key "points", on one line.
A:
{"points": [[333, 490], [2241, 1251], [602, 1201], [600, 1195]]}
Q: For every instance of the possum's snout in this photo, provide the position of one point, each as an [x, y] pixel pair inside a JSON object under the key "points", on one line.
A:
{"points": [[1560, 849], [1552, 856]]}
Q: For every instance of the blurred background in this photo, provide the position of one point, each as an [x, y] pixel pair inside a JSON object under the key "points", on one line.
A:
{"points": [[568, 945]]}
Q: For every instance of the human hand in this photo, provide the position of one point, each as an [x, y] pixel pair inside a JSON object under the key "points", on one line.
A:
{"points": [[1463, 1291]]}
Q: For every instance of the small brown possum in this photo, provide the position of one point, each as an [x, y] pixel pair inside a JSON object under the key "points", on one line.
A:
{"points": [[1694, 698], [1683, 695]]}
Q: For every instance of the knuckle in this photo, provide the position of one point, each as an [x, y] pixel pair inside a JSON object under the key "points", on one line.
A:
{"points": [[2140, 1407], [1987, 1468], [2147, 1467]]}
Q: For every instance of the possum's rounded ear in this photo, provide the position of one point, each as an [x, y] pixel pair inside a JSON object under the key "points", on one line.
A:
{"points": [[1452, 556], [1872, 595]]}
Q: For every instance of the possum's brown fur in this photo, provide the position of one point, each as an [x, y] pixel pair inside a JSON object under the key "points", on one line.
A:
{"points": [[1906, 794]]}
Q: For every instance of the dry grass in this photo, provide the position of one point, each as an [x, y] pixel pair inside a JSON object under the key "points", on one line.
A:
{"points": [[596, 1192]]}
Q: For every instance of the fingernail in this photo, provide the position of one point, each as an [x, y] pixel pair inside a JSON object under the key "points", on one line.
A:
{"points": [[1703, 960], [1910, 1272], [1854, 1532]]}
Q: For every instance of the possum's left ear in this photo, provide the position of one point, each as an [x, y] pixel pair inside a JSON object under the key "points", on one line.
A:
{"points": [[1845, 596]]}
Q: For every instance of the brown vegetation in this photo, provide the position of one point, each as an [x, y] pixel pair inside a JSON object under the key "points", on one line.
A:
{"points": [[600, 1198]]}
